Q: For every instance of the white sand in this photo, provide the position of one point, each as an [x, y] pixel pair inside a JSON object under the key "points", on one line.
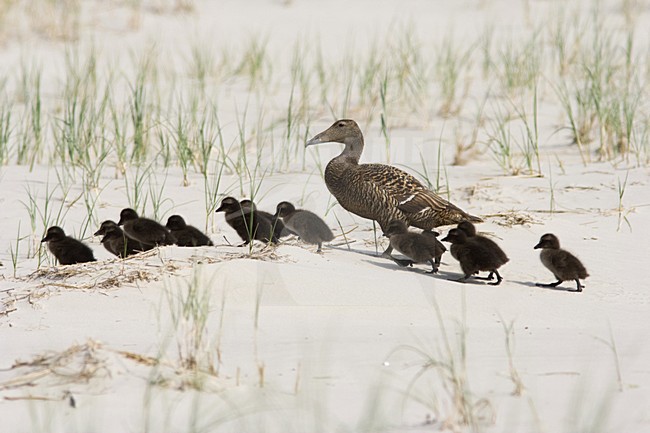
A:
{"points": [[338, 336]]}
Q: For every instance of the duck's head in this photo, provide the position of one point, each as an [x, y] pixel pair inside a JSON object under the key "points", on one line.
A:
{"points": [[176, 222], [127, 214], [111, 232], [106, 225], [54, 233], [455, 236], [395, 227], [247, 204], [284, 208], [468, 228], [549, 240], [341, 131], [229, 204]]}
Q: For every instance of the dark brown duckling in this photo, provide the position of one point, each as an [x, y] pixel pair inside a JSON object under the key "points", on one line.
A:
{"points": [[247, 222], [419, 247], [473, 256], [564, 265], [470, 231], [67, 250], [186, 236], [381, 192], [306, 224], [144, 230], [279, 229], [117, 242]]}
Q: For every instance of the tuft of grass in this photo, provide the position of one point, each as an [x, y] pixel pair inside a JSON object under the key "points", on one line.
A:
{"points": [[611, 344], [189, 308], [622, 214], [448, 362], [509, 331]]}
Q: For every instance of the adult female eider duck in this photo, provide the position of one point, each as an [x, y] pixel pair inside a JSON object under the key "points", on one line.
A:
{"points": [[381, 192]]}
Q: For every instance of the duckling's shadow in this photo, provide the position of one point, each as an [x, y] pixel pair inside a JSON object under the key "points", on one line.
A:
{"points": [[441, 274], [557, 288], [354, 250]]}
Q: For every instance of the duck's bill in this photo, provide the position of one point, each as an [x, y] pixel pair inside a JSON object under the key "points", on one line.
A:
{"points": [[537, 246], [317, 139]]}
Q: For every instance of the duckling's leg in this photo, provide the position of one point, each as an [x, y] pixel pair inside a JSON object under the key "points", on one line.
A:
{"points": [[434, 268], [490, 276], [320, 247], [499, 279], [386, 254], [555, 284], [579, 286]]}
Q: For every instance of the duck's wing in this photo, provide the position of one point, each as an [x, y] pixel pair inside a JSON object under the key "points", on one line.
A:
{"points": [[409, 195], [566, 263]]}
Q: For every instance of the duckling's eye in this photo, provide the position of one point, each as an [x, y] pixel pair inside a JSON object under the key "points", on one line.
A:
{"points": [[341, 125]]}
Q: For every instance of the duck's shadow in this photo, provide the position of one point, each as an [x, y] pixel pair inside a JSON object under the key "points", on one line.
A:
{"points": [[354, 250], [440, 275]]}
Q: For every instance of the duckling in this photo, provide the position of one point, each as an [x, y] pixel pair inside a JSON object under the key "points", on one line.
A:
{"points": [[564, 265], [419, 247], [186, 236], [473, 256], [279, 229], [379, 192], [67, 250], [117, 242], [470, 231], [309, 226], [247, 221], [144, 230]]}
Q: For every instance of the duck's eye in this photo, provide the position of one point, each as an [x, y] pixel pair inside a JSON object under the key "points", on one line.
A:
{"points": [[341, 124]]}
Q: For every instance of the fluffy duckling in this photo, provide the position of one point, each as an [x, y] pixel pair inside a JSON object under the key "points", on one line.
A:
{"points": [[307, 225], [247, 221], [67, 250], [144, 230], [279, 229], [564, 265], [473, 256], [381, 192], [470, 231], [419, 247], [117, 242], [186, 236]]}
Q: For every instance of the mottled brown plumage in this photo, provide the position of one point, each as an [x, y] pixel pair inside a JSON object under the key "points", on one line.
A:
{"points": [[381, 192], [473, 256], [419, 247], [564, 265]]}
